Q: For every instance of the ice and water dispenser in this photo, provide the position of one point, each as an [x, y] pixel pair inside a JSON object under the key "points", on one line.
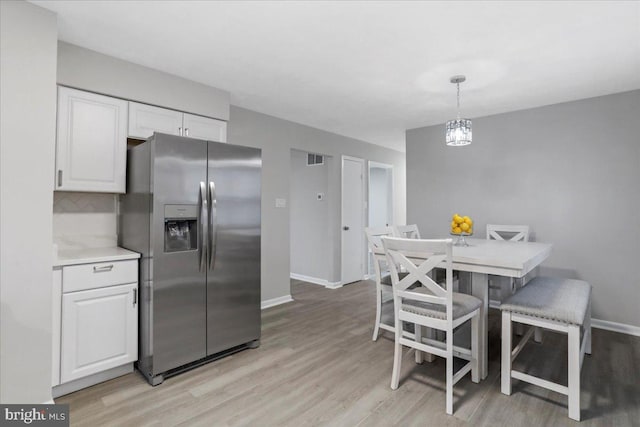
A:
{"points": [[180, 228]]}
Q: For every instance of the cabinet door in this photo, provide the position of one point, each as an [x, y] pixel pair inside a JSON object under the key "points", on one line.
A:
{"points": [[146, 119], [91, 146], [99, 330], [205, 128]]}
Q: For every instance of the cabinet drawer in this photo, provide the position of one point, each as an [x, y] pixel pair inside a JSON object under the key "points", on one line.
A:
{"points": [[91, 276]]}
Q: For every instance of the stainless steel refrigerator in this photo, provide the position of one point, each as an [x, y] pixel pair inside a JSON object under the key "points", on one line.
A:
{"points": [[192, 209]]}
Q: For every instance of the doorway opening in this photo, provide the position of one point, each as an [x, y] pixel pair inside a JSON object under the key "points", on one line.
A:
{"points": [[380, 209]]}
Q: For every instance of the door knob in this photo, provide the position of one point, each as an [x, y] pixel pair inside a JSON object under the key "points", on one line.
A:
{"points": [[345, 228]]}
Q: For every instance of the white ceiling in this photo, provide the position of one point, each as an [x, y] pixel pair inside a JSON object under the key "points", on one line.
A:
{"points": [[371, 70]]}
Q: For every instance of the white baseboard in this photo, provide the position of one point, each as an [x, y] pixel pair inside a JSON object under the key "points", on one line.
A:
{"points": [[369, 277], [316, 281], [275, 301], [333, 285], [616, 327]]}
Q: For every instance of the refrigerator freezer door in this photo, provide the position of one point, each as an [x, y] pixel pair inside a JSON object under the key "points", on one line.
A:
{"points": [[178, 276], [233, 276]]}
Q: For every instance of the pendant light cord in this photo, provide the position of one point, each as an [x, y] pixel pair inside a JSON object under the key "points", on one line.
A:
{"points": [[458, 85]]}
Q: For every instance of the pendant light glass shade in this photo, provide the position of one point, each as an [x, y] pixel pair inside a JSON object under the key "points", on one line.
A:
{"points": [[458, 131]]}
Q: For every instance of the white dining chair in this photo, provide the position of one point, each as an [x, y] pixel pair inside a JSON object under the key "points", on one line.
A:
{"points": [[430, 305], [513, 233], [384, 310], [409, 231]]}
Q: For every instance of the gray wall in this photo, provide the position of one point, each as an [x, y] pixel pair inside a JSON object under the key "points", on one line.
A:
{"points": [[28, 43], [309, 225], [571, 171], [85, 69], [78, 67], [277, 137]]}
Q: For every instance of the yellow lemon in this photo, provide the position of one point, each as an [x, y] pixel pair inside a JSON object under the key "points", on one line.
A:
{"points": [[464, 227], [468, 220], [453, 224], [457, 230], [458, 219], [470, 230]]}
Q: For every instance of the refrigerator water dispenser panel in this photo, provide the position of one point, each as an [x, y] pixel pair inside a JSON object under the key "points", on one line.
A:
{"points": [[180, 228]]}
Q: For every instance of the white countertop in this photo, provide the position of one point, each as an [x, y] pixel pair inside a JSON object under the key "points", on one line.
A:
{"points": [[91, 255]]}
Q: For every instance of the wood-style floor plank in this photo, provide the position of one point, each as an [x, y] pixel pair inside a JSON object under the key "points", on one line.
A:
{"points": [[317, 366]]}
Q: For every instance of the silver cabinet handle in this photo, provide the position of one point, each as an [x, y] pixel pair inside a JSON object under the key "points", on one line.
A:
{"points": [[59, 177], [103, 269], [202, 220], [213, 224], [135, 297], [186, 131]]}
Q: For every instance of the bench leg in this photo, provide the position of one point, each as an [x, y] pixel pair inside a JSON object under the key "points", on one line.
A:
{"points": [[574, 371], [505, 363]]}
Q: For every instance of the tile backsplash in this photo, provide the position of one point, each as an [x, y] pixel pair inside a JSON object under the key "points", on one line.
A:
{"points": [[84, 219]]}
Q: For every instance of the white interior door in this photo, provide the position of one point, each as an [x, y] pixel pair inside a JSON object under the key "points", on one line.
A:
{"points": [[352, 219]]}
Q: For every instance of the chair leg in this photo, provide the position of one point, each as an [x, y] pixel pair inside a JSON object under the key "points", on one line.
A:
{"points": [[431, 333], [475, 363], [574, 371], [505, 363], [397, 357], [418, 338], [376, 327], [449, 398], [519, 329], [587, 327], [537, 334]]}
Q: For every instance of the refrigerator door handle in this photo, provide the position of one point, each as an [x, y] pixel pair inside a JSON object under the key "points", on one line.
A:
{"points": [[213, 224], [202, 220]]}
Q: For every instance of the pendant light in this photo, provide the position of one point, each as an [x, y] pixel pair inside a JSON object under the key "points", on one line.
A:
{"points": [[459, 130]]}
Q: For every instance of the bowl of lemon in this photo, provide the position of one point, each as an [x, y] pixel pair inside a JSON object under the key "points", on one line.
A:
{"points": [[461, 226]]}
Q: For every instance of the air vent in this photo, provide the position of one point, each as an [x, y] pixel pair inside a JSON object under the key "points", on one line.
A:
{"points": [[314, 159]]}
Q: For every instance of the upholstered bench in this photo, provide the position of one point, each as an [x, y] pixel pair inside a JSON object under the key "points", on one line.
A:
{"points": [[562, 305]]}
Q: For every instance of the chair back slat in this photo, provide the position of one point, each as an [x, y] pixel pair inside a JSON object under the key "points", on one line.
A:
{"points": [[374, 239], [409, 231], [417, 257], [513, 233]]}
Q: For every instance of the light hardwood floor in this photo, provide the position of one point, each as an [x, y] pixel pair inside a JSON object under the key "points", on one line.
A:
{"points": [[317, 365]]}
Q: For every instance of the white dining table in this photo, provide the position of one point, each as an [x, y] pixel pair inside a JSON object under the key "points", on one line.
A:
{"points": [[497, 257]]}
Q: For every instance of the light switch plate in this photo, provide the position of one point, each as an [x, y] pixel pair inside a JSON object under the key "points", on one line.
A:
{"points": [[281, 203]]}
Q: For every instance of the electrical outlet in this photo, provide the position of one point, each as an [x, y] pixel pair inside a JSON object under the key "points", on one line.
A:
{"points": [[281, 203]]}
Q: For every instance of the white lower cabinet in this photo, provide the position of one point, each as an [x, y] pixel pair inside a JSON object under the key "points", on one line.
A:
{"points": [[99, 330]]}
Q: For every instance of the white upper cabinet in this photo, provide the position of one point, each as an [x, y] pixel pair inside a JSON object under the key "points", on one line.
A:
{"points": [[91, 146], [204, 128], [146, 119]]}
